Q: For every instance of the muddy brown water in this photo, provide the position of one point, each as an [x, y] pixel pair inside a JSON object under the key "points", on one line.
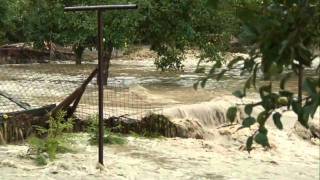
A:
{"points": [[48, 83], [40, 84]]}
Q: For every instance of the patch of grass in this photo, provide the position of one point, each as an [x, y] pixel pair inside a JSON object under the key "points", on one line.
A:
{"points": [[109, 137], [41, 160], [55, 142], [47, 149], [113, 138], [152, 135], [154, 126], [146, 134]]}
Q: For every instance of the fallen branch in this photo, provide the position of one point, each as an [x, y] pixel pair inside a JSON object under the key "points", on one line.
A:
{"points": [[75, 96]]}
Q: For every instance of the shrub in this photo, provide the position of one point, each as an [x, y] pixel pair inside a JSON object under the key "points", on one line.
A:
{"points": [[55, 140], [109, 137]]}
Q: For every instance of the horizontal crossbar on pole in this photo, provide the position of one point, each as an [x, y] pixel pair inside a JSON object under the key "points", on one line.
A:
{"points": [[101, 7]]}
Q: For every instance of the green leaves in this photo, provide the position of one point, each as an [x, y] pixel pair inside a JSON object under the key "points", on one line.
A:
{"points": [[296, 107], [248, 109], [248, 34], [266, 89], [262, 139], [269, 99], [55, 141], [203, 82], [303, 112], [310, 86], [262, 118], [254, 75], [249, 144], [249, 121], [272, 31], [242, 94], [238, 94], [176, 26], [269, 102], [213, 3], [282, 101], [232, 113], [277, 120]]}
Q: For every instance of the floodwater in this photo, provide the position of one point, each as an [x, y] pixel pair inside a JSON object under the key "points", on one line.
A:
{"points": [[135, 87], [167, 159], [41, 84], [131, 83]]}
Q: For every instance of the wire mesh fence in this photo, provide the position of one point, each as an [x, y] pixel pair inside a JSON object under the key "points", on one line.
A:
{"points": [[29, 86]]}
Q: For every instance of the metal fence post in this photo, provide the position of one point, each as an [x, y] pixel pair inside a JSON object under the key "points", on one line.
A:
{"points": [[100, 83], [101, 63]]}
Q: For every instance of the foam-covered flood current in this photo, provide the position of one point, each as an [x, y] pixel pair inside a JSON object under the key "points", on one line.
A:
{"points": [[40, 84], [166, 158]]}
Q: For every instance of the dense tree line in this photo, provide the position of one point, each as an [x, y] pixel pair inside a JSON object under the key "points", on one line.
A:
{"points": [[170, 27]]}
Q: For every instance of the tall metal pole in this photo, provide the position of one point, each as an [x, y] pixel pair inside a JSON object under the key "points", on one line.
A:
{"points": [[101, 63], [100, 84]]}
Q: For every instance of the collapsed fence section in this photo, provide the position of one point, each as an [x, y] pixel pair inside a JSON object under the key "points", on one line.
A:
{"points": [[30, 86]]}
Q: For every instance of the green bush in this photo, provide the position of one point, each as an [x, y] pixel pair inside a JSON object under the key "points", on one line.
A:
{"points": [[147, 134], [55, 140], [109, 137], [41, 160]]}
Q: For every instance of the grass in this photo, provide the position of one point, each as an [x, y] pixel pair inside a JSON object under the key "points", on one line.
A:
{"points": [[47, 149], [41, 160], [108, 138], [146, 134], [115, 138], [56, 140]]}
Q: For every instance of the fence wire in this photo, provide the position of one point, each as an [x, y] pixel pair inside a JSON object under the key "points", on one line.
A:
{"points": [[37, 85]]}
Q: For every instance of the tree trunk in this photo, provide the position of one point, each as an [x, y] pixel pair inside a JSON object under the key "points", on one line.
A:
{"points": [[51, 50], [107, 58], [300, 84], [78, 50]]}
